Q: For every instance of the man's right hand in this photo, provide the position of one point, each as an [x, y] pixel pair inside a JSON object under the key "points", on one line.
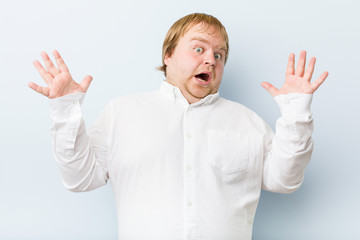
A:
{"points": [[59, 81]]}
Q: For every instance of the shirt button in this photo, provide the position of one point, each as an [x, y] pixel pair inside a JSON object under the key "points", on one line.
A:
{"points": [[188, 135], [189, 203], [75, 102], [287, 101], [188, 167]]}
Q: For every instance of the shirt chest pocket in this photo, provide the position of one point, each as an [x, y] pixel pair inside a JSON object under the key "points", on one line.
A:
{"points": [[229, 152]]}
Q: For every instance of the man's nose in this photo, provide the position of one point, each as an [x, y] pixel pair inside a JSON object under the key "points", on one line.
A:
{"points": [[210, 59]]}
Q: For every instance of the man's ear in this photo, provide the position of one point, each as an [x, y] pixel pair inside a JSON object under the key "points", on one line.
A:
{"points": [[167, 59]]}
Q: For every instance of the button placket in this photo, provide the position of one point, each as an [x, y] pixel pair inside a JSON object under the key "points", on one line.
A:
{"points": [[189, 177]]}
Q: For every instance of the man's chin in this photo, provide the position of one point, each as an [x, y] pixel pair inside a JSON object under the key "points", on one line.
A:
{"points": [[199, 94]]}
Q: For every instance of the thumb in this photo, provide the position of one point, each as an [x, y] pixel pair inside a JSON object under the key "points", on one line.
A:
{"points": [[85, 83], [270, 88]]}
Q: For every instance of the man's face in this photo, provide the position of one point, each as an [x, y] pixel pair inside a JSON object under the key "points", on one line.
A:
{"points": [[196, 65]]}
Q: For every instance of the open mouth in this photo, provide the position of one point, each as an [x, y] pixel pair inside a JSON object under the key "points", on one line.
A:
{"points": [[203, 77]]}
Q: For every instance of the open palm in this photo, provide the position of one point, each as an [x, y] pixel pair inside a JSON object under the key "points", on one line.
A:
{"points": [[59, 80], [299, 80]]}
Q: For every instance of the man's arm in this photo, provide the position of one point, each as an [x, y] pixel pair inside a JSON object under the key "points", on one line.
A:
{"points": [[81, 158], [289, 151]]}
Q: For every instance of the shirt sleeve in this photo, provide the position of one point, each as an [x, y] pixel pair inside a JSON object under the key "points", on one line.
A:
{"points": [[289, 151], [81, 157]]}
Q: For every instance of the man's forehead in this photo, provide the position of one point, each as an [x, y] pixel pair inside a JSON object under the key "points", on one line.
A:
{"points": [[204, 32]]}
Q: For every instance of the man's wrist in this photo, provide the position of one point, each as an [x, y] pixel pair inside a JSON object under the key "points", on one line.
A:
{"points": [[61, 107], [294, 103]]}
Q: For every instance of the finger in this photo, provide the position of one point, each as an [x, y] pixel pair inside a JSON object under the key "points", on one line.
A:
{"points": [[301, 64], [85, 83], [42, 90], [316, 84], [49, 64], [43, 73], [270, 88], [310, 69], [290, 65], [60, 62]]}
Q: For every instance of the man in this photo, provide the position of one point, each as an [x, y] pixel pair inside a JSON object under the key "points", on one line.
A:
{"points": [[183, 162]]}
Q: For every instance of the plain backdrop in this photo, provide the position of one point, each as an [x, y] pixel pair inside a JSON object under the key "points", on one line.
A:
{"points": [[119, 44]]}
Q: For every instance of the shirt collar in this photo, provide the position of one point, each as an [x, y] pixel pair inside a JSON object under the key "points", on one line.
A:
{"points": [[174, 94]]}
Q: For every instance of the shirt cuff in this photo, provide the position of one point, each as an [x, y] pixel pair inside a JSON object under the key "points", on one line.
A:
{"points": [[61, 107], [294, 103]]}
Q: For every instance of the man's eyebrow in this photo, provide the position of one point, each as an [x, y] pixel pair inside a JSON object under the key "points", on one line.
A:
{"points": [[200, 39], [207, 42]]}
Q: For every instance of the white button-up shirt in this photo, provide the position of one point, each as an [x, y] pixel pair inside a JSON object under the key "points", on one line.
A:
{"points": [[181, 171]]}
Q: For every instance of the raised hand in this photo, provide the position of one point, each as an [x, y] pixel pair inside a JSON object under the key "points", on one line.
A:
{"points": [[59, 81], [299, 80]]}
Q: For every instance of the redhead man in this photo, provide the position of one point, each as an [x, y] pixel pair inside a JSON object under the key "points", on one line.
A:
{"points": [[183, 162]]}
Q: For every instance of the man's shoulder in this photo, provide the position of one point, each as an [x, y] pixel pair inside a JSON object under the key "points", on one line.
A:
{"points": [[239, 111], [229, 105], [143, 98]]}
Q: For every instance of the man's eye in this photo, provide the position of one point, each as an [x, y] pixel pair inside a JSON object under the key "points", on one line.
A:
{"points": [[217, 56], [199, 50]]}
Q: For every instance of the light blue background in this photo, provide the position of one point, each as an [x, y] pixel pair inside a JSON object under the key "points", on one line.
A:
{"points": [[119, 44]]}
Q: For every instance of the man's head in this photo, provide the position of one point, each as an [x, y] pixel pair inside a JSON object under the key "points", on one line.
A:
{"points": [[195, 51], [181, 26]]}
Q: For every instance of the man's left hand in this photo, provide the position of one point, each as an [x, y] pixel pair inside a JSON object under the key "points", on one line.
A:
{"points": [[299, 80]]}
